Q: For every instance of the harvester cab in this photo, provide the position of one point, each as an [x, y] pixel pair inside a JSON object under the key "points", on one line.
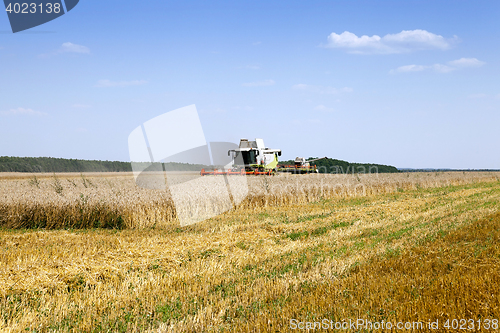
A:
{"points": [[301, 162]]}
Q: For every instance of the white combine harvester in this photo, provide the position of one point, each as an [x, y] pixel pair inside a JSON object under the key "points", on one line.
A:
{"points": [[251, 158]]}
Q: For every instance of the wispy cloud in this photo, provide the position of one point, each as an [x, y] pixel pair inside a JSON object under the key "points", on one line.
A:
{"points": [[256, 43], [321, 89], [73, 48], [440, 68], [22, 111], [410, 68], [323, 108], [109, 83], [67, 48], [419, 68], [403, 42], [467, 62], [259, 83]]}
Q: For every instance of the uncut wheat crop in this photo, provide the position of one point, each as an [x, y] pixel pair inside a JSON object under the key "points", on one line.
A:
{"points": [[116, 201]]}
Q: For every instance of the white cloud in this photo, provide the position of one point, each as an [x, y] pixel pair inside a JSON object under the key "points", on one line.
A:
{"points": [[440, 68], [74, 48], [321, 89], [109, 83], [405, 41], [410, 68], [323, 108], [259, 83], [419, 68], [419, 39], [467, 62], [22, 111], [67, 48]]}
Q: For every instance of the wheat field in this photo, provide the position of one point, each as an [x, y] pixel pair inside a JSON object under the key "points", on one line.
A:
{"points": [[115, 201], [94, 253]]}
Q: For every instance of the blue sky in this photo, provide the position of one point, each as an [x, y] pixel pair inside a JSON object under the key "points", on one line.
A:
{"points": [[405, 83]]}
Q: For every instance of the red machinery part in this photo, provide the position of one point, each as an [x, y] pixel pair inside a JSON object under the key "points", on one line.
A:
{"points": [[235, 173], [219, 173]]}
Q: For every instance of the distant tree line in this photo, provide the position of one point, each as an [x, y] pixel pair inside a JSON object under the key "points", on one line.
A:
{"points": [[51, 164], [448, 170], [331, 165]]}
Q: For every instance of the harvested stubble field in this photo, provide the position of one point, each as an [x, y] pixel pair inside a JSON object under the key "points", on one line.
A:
{"points": [[399, 247]]}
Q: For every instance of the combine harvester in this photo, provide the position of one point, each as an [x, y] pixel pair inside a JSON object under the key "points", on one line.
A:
{"points": [[300, 166], [253, 158]]}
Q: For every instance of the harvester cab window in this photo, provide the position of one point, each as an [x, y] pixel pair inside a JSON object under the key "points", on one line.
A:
{"points": [[249, 157]]}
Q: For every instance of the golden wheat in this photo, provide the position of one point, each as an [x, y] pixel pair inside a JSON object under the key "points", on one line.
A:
{"points": [[115, 201], [250, 269]]}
